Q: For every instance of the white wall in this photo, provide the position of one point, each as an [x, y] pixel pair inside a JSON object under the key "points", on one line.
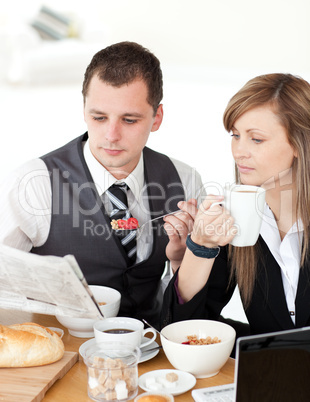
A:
{"points": [[271, 34], [208, 50]]}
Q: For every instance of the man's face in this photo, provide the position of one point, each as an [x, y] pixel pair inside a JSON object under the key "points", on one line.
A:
{"points": [[119, 121]]}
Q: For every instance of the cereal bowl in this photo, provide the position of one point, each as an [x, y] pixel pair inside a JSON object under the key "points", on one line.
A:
{"points": [[204, 360], [83, 327]]}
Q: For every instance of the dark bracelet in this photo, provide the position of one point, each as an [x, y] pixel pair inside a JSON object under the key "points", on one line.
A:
{"points": [[201, 251]]}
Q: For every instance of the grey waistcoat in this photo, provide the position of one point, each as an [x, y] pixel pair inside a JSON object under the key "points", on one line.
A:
{"points": [[81, 226]]}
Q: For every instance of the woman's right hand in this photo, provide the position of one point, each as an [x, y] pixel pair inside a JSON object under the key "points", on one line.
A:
{"points": [[213, 224], [213, 227]]}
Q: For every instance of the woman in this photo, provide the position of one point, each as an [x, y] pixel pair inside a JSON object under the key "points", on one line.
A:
{"points": [[269, 120]]}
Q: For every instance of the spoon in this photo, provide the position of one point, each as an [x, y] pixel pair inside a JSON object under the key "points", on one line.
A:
{"points": [[158, 217], [160, 333], [151, 350]]}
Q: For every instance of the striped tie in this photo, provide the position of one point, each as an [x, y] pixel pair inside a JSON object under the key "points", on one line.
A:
{"points": [[117, 194]]}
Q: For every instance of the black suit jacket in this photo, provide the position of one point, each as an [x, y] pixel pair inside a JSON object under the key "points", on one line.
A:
{"points": [[267, 311]]}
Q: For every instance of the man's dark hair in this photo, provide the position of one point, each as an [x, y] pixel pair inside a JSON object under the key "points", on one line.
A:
{"points": [[124, 62]]}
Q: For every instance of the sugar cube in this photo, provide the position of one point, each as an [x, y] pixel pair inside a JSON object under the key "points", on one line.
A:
{"points": [[121, 390]]}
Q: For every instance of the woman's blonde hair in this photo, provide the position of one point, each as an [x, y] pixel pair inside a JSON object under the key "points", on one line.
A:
{"points": [[289, 97]]}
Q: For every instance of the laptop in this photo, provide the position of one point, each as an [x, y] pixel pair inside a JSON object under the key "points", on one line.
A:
{"points": [[271, 367]]}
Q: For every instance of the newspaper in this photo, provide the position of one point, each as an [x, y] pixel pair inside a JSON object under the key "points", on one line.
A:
{"points": [[44, 284]]}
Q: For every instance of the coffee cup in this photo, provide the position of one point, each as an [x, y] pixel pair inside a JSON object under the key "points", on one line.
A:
{"points": [[123, 329], [246, 205]]}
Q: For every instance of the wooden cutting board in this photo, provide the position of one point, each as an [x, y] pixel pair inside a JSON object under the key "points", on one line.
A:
{"points": [[30, 384]]}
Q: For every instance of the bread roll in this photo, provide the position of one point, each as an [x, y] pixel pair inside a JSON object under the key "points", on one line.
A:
{"points": [[29, 344]]}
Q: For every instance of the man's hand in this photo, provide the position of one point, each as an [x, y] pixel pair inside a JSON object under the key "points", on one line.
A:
{"points": [[177, 227]]}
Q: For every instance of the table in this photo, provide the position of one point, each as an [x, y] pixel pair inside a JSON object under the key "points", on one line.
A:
{"points": [[73, 386]]}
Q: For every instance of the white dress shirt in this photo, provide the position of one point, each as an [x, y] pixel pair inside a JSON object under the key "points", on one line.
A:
{"points": [[25, 202], [287, 253]]}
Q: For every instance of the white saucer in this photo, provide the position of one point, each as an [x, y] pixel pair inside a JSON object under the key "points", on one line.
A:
{"points": [[145, 355], [185, 381]]}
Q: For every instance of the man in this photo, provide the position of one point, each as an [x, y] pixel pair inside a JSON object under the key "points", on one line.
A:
{"points": [[63, 203]]}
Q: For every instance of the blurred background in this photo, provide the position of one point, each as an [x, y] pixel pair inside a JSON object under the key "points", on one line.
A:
{"points": [[208, 50]]}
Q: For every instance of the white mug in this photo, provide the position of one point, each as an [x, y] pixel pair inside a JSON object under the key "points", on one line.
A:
{"points": [[246, 205], [123, 329]]}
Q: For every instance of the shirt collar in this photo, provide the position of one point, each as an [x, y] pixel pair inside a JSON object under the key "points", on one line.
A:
{"points": [[269, 223], [103, 179]]}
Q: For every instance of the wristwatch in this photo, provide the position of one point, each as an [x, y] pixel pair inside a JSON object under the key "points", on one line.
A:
{"points": [[201, 251]]}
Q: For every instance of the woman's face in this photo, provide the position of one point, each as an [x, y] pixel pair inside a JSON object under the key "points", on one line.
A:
{"points": [[261, 149]]}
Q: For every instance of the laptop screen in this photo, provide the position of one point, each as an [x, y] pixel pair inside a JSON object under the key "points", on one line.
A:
{"points": [[274, 367]]}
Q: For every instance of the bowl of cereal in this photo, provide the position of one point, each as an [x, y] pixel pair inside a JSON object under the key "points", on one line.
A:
{"points": [[200, 347], [108, 299]]}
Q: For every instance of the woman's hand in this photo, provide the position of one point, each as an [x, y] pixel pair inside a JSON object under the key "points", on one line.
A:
{"points": [[213, 224], [213, 227], [177, 227]]}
